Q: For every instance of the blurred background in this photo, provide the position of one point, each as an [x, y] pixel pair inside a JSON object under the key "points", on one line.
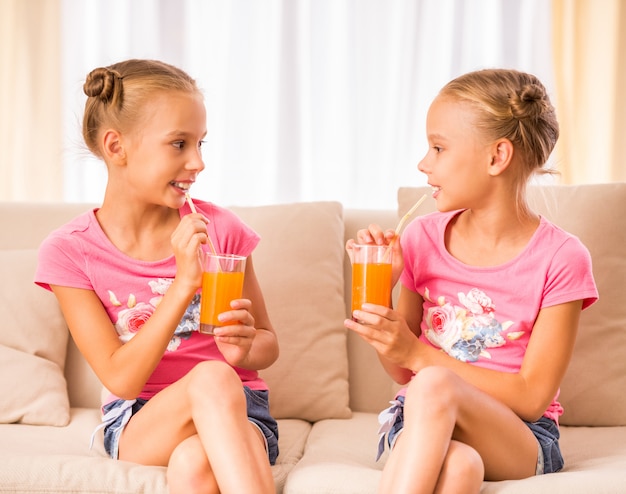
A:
{"points": [[306, 99]]}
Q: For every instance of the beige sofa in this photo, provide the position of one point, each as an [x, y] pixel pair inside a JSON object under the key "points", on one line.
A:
{"points": [[327, 386]]}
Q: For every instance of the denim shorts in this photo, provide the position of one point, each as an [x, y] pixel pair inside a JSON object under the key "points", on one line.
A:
{"points": [[549, 457], [118, 413], [546, 432]]}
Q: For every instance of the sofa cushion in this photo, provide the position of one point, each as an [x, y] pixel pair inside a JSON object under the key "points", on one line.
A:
{"points": [[299, 263], [33, 343], [58, 459], [592, 392], [340, 459]]}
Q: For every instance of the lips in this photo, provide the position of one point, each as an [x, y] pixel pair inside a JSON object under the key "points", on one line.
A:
{"points": [[184, 186]]}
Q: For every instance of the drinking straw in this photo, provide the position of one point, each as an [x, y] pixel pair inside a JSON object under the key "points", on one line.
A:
{"points": [[409, 213], [402, 222], [193, 210]]}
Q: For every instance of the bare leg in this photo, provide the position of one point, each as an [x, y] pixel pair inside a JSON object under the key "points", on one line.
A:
{"points": [[208, 403], [189, 469], [452, 427]]}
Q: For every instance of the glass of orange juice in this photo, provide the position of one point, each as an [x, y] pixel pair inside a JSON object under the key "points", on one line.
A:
{"points": [[371, 275], [222, 282]]}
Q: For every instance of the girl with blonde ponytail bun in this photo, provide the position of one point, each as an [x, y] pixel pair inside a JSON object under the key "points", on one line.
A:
{"points": [[127, 276], [490, 298]]}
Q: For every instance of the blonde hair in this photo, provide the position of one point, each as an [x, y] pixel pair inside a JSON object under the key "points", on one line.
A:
{"points": [[513, 105], [117, 94]]}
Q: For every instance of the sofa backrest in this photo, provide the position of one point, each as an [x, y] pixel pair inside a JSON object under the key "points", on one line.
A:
{"points": [[24, 226], [324, 372], [299, 263]]}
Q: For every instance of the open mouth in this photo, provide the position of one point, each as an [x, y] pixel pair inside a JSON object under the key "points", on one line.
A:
{"points": [[184, 186]]}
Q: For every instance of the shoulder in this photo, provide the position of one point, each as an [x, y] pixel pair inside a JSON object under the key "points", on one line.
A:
{"points": [[67, 234], [570, 265], [561, 241], [63, 253]]}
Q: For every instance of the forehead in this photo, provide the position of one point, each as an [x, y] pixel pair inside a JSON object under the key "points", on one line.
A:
{"points": [[450, 109], [448, 116], [175, 109]]}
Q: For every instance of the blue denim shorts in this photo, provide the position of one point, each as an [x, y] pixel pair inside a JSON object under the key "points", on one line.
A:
{"points": [[549, 457], [118, 413], [547, 433]]}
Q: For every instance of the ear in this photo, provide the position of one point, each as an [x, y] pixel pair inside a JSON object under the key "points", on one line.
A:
{"points": [[112, 147], [501, 156]]}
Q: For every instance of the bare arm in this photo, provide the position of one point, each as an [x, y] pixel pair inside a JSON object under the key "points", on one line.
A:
{"points": [[410, 307], [122, 368], [528, 392], [125, 368]]}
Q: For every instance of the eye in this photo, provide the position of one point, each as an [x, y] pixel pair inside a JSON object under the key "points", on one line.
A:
{"points": [[201, 143], [437, 149], [178, 144]]}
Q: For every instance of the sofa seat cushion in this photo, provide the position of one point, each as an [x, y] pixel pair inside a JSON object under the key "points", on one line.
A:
{"points": [[595, 461], [72, 473], [58, 459], [340, 458], [73, 439]]}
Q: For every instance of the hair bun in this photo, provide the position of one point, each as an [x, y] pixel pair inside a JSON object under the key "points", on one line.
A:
{"points": [[531, 101], [101, 83]]}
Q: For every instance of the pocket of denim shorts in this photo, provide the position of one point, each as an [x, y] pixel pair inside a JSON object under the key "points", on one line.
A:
{"points": [[258, 397]]}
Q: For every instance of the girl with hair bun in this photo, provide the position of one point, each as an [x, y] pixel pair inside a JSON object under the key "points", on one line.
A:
{"points": [[127, 277], [490, 298]]}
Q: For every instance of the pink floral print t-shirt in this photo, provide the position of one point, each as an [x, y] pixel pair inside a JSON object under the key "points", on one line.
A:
{"points": [[80, 255], [485, 315]]}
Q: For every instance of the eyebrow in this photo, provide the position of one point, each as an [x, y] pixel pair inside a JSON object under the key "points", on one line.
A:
{"points": [[437, 136], [181, 133]]}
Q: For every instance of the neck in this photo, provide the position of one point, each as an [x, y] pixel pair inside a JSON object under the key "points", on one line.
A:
{"points": [[142, 232]]}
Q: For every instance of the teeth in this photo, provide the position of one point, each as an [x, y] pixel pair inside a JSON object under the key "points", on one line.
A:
{"points": [[436, 188], [181, 185]]}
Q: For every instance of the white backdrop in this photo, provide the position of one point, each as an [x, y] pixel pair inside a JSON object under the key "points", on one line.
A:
{"points": [[306, 99]]}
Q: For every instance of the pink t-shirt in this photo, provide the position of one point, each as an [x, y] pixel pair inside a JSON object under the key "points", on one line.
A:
{"points": [[80, 255], [485, 315]]}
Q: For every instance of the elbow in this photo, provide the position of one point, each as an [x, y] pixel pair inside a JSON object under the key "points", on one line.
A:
{"points": [[530, 415], [532, 410], [121, 388]]}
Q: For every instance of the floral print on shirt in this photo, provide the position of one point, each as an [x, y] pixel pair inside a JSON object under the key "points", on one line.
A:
{"points": [[131, 319], [465, 331]]}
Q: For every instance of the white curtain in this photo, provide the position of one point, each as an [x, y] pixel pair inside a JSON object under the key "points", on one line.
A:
{"points": [[30, 107], [306, 99], [591, 77]]}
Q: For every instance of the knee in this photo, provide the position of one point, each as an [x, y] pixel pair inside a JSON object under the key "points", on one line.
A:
{"points": [[188, 470], [434, 388], [215, 382], [463, 466]]}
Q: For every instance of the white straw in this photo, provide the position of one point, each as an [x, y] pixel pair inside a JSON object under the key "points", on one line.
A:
{"points": [[194, 210], [190, 202], [401, 224], [409, 213]]}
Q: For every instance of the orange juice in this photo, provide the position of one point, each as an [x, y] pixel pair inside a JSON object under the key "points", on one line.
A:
{"points": [[371, 283], [218, 290]]}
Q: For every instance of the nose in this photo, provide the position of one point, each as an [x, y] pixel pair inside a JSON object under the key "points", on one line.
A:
{"points": [[196, 162], [422, 165]]}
